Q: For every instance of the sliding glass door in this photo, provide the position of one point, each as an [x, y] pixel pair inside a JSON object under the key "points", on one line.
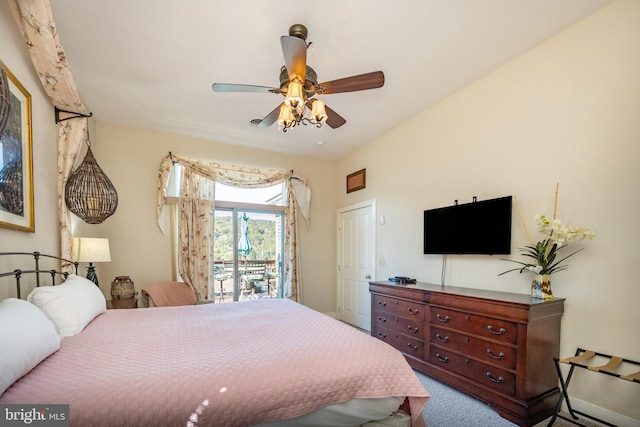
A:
{"points": [[247, 253]]}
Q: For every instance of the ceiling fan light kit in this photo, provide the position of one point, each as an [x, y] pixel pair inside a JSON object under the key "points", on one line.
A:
{"points": [[294, 107], [299, 85]]}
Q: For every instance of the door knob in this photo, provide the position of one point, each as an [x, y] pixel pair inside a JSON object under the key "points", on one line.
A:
{"points": [[368, 276]]}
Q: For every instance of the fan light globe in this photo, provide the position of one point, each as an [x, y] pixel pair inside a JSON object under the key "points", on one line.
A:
{"points": [[318, 112], [285, 119], [295, 98]]}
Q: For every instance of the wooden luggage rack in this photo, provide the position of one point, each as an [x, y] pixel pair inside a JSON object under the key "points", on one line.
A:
{"points": [[578, 360]]}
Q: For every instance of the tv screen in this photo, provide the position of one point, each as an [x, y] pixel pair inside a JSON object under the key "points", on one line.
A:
{"points": [[477, 228]]}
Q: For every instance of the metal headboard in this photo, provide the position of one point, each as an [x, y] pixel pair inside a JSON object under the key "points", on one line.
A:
{"points": [[17, 273]]}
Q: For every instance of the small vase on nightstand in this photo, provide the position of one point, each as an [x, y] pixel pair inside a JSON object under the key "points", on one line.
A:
{"points": [[122, 288]]}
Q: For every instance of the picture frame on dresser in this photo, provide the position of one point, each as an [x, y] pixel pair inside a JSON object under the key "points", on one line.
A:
{"points": [[16, 160]]}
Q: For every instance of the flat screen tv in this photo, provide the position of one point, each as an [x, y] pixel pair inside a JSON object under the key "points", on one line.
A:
{"points": [[477, 228]]}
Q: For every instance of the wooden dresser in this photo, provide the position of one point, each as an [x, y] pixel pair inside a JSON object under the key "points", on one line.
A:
{"points": [[495, 346]]}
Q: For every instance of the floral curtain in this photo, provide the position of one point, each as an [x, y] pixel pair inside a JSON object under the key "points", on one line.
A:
{"points": [[298, 200], [71, 134], [35, 20], [194, 233]]}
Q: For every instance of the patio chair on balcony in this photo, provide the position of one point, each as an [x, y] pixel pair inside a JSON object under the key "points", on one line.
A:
{"points": [[271, 275], [221, 274], [250, 284]]}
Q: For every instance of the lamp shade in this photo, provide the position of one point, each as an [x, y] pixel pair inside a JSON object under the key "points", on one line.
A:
{"points": [[89, 193], [318, 112], [295, 98], [285, 119], [90, 249], [295, 95]]}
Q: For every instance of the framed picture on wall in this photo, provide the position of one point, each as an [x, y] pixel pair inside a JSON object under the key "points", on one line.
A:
{"points": [[16, 167], [357, 180]]}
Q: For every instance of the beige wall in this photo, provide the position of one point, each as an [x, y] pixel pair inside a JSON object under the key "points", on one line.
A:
{"points": [[567, 111], [131, 158], [46, 237]]}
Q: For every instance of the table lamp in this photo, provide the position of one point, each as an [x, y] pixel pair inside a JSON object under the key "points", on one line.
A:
{"points": [[90, 249]]}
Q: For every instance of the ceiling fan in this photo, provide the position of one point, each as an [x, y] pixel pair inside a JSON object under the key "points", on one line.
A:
{"points": [[299, 85]]}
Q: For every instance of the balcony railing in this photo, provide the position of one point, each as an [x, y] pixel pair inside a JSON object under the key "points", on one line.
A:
{"points": [[257, 279]]}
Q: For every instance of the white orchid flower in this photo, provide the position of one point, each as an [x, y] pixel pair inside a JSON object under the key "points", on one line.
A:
{"points": [[534, 268]]}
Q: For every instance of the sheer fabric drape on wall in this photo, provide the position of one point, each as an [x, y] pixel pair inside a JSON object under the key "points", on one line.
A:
{"points": [[35, 20], [197, 203], [71, 134]]}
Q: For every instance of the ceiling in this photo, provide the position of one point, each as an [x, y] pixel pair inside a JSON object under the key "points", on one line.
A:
{"points": [[150, 64]]}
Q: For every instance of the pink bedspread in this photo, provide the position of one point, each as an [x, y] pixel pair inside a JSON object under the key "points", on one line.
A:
{"points": [[241, 363]]}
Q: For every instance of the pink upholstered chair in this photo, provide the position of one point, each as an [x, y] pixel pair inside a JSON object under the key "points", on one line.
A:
{"points": [[164, 294]]}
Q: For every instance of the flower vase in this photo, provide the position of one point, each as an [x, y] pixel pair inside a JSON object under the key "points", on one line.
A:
{"points": [[541, 287], [122, 288]]}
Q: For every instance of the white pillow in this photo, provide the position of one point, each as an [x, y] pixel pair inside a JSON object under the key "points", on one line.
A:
{"points": [[27, 338], [71, 305]]}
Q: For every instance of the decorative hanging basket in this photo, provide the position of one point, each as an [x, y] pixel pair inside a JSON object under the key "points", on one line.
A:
{"points": [[5, 100], [11, 194], [89, 193]]}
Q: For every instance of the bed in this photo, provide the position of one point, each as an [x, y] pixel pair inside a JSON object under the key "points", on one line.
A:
{"points": [[269, 362]]}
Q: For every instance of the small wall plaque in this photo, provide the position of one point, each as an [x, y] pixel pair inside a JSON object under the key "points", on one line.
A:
{"points": [[357, 180]]}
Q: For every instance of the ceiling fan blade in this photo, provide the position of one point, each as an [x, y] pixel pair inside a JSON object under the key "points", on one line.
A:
{"points": [[366, 81], [294, 50], [269, 119], [231, 87], [334, 120]]}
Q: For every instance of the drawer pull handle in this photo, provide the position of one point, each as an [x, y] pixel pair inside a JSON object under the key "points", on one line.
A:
{"points": [[442, 359], [414, 330], [499, 356], [414, 311], [382, 319], [412, 347], [499, 380], [442, 319], [383, 335], [500, 332], [439, 337], [382, 303]]}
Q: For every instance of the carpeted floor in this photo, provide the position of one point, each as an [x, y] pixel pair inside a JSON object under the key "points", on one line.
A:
{"points": [[448, 407]]}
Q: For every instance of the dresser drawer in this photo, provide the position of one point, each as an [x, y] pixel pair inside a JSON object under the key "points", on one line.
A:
{"points": [[411, 327], [399, 307], [404, 343], [490, 376], [485, 327], [486, 351], [495, 346]]}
